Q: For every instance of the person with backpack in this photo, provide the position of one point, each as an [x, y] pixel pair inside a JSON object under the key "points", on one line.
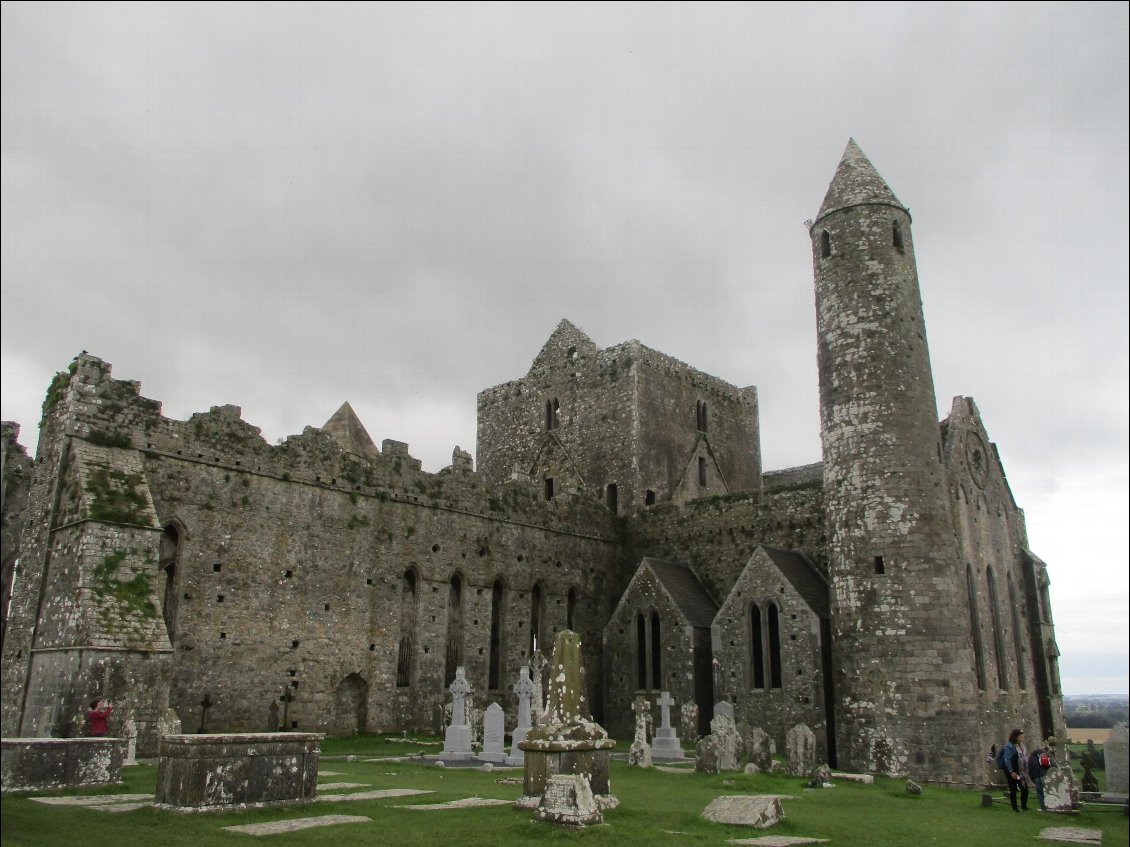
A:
{"points": [[1039, 763], [1013, 760]]}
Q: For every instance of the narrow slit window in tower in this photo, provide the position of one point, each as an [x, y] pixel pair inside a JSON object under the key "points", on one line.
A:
{"points": [[549, 488], [896, 235], [649, 498], [701, 470], [825, 244], [613, 498], [880, 567], [570, 607]]}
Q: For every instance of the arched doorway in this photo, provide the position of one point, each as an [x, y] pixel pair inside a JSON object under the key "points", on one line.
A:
{"points": [[351, 705]]}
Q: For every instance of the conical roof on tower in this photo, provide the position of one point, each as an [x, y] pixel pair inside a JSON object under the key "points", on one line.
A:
{"points": [[346, 429], [856, 183]]}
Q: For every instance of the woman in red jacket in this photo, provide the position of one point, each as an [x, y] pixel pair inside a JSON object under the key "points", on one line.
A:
{"points": [[97, 717]]}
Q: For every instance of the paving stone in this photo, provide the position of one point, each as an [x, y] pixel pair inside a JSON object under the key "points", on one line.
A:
{"points": [[119, 807], [337, 786], [745, 810], [333, 773], [379, 794], [92, 800], [295, 824], [1072, 835], [465, 803]]}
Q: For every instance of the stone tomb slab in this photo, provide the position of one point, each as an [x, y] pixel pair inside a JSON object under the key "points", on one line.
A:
{"points": [[378, 794], [465, 803], [36, 764], [295, 824], [779, 841], [1072, 835], [93, 800], [119, 807], [217, 771], [745, 810], [339, 786]]}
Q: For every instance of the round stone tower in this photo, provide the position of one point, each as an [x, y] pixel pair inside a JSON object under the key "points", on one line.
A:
{"points": [[903, 677]]}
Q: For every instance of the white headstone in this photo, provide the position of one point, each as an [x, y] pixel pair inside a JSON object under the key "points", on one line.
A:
{"points": [[494, 734], [666, 745]]}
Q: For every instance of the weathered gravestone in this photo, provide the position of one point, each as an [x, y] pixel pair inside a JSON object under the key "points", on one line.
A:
{"points": [[759, 748], [1115, 754], [129, 733], [568, 800], [524, 689], [721, 749], [688, 721], [457, 736], [744, 810], [665, 744], [569, 741], [168, 723], [537, 665], [1060, 792], [800, 751], [494, 734], [639, 754]]}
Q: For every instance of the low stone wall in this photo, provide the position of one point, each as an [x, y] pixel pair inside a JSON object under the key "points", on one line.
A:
{"points": [[212, 772], [35, 764]]}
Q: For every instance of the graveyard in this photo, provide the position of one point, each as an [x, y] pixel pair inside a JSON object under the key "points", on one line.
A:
{"points": [[657, 807], [562, 777]]}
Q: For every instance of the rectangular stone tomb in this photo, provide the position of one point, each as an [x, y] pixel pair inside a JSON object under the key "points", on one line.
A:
{"points": [[206, 772], [35, 764]]}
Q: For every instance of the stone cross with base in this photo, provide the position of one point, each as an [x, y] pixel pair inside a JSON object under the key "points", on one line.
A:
{"points": [[537, 664], [666, 744], [639, 755], [457, 736], [524, 688]]}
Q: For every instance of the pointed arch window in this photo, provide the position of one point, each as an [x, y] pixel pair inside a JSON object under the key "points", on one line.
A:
{"points": [[641, 652], [998, 633], [773, 625], [756, 647], [975, 627], [1017, 641], [537, 618], [497, 611], [408, 586], [656, 654], [454, 654], [170, 556]]}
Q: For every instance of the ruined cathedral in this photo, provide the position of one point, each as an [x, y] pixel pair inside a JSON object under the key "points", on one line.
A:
{"points": [[885, 596]]}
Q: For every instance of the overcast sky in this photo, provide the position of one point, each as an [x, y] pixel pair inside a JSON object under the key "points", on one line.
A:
{"points": [[287, 206]]}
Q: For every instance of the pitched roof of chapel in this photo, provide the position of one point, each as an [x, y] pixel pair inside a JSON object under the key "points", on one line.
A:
{"points": [[346, 429], [683, 584], [856, 182], [799, 570]]}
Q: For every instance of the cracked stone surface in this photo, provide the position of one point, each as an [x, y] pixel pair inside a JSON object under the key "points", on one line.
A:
{"points": [[1072, 835], [465, 803], [295, 824], [95, 800], [379, 794]]}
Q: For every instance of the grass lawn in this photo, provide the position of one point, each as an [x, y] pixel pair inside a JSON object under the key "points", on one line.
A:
{"points": [[656, 809]]}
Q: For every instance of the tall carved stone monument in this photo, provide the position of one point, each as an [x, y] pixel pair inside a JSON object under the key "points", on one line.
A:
{"points": [[1114, 752], [569, 742], [639, 754]]}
